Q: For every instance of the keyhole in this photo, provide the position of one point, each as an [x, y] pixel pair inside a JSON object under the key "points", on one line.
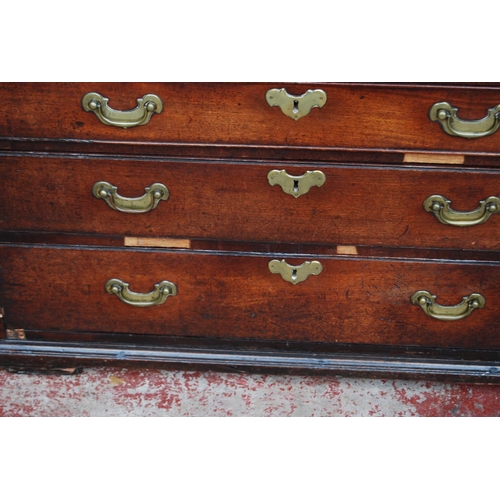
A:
{"points": [[294, 274], [295, 186], [295, 107]]}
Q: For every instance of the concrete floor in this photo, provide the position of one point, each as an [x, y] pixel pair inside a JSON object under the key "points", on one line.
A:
{"points": [[134, 392]]}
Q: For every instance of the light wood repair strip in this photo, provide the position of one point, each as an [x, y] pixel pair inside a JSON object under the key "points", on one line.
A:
{"points": [[346, 250], [434, 158], [132, 241], [15, 334]]}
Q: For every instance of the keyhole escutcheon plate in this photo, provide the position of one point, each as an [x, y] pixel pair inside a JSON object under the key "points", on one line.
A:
{"points": [[295, 274], [296, 185], [296, 106]]}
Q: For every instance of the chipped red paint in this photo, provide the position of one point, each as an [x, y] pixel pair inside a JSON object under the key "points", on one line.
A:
{"points": [[454, 400], [134, 392]]}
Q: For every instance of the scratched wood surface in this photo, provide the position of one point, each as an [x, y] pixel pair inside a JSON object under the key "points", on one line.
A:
{"points": [[213, 147], [228, 296], [374, 116], [357, 205]]}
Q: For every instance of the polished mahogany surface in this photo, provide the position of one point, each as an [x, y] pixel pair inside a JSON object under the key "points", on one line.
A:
{"points": [[213, 147]]}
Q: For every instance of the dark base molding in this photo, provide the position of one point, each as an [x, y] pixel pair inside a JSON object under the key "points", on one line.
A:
{"points": [[33, 356]]}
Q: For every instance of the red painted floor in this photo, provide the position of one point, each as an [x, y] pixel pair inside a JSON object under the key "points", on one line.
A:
{"points": [[133, 392]]}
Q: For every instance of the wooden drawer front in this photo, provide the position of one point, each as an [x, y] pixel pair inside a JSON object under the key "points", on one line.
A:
{"points": [[355, 205], [223, 296], [366, 116]]}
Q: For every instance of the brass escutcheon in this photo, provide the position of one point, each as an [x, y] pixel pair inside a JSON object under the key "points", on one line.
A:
{"points": [[296, 106], [446, 115], [158, 296], [296, 185], [149, 201], [295, 274], [140, 115], [427, 302], [440, 207]]}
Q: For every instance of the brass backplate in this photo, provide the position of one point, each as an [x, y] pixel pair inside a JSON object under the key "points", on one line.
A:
{"points": [[440, 207], [296, 185], [148, 201], [446, 115], [295, 274], [427, 301], [140, 115], [296, 106], [158, 296]]}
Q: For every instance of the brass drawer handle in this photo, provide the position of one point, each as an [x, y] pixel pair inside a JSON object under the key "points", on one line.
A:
{"points": [[440, 207], [427, 302], [296, 185], [445, 114], [149, 201], [140, 115], [296, 106], [158, 296], [295, 274]]}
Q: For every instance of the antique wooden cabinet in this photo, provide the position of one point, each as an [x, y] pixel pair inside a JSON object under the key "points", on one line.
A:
{"points": [[324, 228]]}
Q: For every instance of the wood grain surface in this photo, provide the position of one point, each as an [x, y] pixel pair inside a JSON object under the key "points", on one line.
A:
{"points": [[357, 205], [353, 300], [213, 147], [359, 116]]}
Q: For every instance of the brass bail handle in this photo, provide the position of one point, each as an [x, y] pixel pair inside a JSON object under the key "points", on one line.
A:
{"points": [[440, 207], [149, 201], [427, 302], [296, 106], [140, 115], [295, 274], [296, 185], [446, 115], [159, 295]]}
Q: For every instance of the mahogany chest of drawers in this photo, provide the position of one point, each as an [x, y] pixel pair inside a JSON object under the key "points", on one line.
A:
{"points": [[323, 228]]}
